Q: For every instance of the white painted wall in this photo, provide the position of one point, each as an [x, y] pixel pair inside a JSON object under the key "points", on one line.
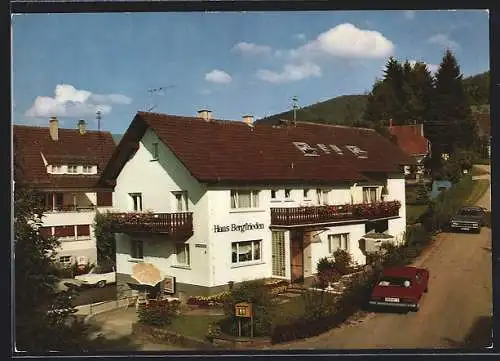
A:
{"points": [[397, 191]]}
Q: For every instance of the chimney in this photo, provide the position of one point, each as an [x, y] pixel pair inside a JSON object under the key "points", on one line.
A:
{"points": [[82, 126], [54, 128], [248, 119], [205, 114], [422, 129]]}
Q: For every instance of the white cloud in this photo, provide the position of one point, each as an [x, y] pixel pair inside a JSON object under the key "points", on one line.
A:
{"points": [[346, 40], [218, 76], [300, 37], [433, 68], [444, 41], [71, 102], [290, 73], [409, 14], [252, 49]]}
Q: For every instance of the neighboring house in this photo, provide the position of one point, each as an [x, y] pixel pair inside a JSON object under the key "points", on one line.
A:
{"points": [[210, 202], [484, 129], [63, 166], [412, 141], [438, 186]]}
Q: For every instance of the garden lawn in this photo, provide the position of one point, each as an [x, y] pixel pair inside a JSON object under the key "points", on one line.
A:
{"points": [[414, 211], [193, 325], [479, 187], [289, 311]]}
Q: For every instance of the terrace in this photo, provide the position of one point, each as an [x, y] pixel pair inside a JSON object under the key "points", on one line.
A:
{"points": [[314, 215], [173, 224]]}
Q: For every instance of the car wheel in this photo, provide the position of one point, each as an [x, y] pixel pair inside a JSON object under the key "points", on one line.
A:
{"points": [[101, 284], [416, 308]]}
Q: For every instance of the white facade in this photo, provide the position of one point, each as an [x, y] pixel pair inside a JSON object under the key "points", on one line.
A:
{"points": [[219, 229]]}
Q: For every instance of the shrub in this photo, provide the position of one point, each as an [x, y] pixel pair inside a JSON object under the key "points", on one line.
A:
{"points": [[324, 264], [159, 312], [262, 304], [318, 304], [343, 261], [417, 235]]}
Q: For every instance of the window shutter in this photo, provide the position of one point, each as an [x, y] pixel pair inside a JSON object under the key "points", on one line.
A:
{"points": [[64, 231], [104, 199]]}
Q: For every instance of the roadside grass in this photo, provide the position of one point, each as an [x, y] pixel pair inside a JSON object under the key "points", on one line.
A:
{"points": [[480, 186], [414, 211], [195, 326]]}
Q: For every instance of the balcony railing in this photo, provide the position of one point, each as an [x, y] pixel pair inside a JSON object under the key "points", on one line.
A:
{"points": [[297, 216], [174, 224], [71, 208]]}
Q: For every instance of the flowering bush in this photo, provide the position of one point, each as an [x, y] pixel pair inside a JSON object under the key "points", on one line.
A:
{"points": [[216, 300], [159, 312]]}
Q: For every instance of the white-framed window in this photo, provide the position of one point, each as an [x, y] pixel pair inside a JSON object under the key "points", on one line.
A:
{"points": [[322, 196], [246, 251], [56, 169], [87, 169], [136, 201], [137, 249], [273, 193], [288, 193], [72, 169], [181, 201], [244, 199], [156, 153], [182, 254], [65, 260], [370, 194], [306, 193], [338, 241]]}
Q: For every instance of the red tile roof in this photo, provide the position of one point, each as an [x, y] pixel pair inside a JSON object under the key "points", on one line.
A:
{"points": [[230, 151], [410, 139], [484, 122], [71, 147]]}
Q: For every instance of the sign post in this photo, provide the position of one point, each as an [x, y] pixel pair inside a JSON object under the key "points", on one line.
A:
{"points": [[244, 310]]}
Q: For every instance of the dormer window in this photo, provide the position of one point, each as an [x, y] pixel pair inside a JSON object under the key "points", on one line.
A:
{"points": [[72, 169], [56, 169], [87, 169]]}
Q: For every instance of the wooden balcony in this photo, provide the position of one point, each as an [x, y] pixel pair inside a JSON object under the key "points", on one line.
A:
{"points": [[173, 224], [315, 215]]}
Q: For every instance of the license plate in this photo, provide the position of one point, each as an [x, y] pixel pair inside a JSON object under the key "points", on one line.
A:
{"points": [[465, 229], [391, 299]]}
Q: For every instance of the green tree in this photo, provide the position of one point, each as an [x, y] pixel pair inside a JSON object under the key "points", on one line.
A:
{"points": [[105, 240], [421, 99], [42, 314]]}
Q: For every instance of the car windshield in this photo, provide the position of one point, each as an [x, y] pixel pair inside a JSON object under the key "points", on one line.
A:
{"points": [[100, 270], [469, 212], [387, 281]]}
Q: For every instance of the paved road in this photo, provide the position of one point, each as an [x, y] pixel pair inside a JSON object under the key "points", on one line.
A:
{"points": [[455, 313], [93, 295]]}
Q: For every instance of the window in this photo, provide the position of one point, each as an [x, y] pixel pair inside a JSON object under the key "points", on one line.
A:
{"points": [[369, 194], [72, 169], [136, 201], [136, 249], [273, 194], [322, 196], [288, 193], [56, 169], [246, 251], [181, 201], [155, 151], [182, 253], [244, 199], [338, 241], [65, 260], [87, 169], [306, 193]]}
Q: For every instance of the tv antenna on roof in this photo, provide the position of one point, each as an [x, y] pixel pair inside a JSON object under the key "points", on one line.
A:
{"points": [[157, 91], [98, 117], [295, 107]]}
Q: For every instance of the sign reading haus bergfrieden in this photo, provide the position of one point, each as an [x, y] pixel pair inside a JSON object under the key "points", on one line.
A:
{"points": [[238, 227]]}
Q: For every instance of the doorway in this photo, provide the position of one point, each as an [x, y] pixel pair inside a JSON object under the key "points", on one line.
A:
{"points": [[297, 256]]}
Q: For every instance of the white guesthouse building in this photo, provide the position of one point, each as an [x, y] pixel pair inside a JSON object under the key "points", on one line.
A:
{"points": [[63, 167], [209, 201]]}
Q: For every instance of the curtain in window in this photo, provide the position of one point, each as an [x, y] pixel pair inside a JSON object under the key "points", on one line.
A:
{"points": [[234, 252], [182, 254], [244, 251], [178, 197], [255, 199], [244, 200], [234, 199], [256, 250], [333, 243], [373, 195]]}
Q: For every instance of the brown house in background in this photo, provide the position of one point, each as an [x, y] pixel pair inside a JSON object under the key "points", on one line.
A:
{"points": [[412, 141]]}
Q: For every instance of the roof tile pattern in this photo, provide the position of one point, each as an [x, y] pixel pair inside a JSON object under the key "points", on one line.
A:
{"points": [[410, 139]]}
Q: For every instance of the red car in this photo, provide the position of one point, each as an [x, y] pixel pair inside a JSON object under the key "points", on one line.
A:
{"points": [[400, 287]]}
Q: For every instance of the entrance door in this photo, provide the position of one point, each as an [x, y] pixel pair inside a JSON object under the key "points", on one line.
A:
{"points": [[278, 253], [297, 256]]}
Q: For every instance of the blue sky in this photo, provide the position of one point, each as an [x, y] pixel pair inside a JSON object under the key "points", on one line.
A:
{"points": [[71, 65]]}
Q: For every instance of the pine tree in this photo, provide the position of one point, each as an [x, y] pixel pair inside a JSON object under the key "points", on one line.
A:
{"points": [[422, 91], [451, 126], [394, 79]]}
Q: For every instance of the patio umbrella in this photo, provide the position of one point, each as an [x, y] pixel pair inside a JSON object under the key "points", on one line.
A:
{"points": [[146, 274]]}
